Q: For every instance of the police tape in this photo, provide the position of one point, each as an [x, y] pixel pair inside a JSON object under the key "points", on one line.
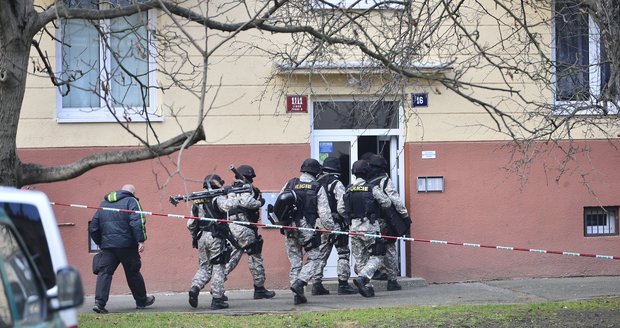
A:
{"points": [[410, 239]]}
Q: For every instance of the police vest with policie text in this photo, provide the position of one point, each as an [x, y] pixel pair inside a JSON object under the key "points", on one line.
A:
{"points": [[307, 200], [360, 203]]}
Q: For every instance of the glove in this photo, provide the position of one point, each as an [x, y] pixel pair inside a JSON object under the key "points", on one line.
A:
{"points": [[228, 190], [262, 201]]}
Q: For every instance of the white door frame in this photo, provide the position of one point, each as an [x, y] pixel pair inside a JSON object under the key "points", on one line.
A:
{"points": [[396, 139]]}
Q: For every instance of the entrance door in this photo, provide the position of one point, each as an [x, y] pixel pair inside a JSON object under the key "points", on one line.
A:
{"points": [[349, 148], [343, 147]]}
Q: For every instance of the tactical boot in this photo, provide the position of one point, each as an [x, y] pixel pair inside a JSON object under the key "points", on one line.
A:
{"points": [[344, 288], [379, 275], [360, 283], [224, 297], [218, 303], [193, 296], [298, 288], [297, 300], [262, 292], [393, 285], [319, 289]]}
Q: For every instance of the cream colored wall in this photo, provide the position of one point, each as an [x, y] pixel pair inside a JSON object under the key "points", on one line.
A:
{"points": [[248, 110]]}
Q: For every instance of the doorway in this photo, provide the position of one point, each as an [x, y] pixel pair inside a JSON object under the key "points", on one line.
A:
{"points": [[347, 130]]}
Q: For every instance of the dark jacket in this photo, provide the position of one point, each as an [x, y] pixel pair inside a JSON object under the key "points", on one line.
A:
{"points": [[110, 229]]}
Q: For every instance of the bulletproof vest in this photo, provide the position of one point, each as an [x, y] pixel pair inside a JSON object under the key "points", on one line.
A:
{"points": [[359, 202], [328, 181], [207, 208], [251, 215], [307, 199]]}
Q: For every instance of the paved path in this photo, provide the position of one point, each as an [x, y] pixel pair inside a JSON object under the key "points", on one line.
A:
{"points": [[415, 292]]}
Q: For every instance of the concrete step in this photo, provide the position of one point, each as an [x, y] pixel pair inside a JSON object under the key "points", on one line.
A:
{"points": [[331, 284]]}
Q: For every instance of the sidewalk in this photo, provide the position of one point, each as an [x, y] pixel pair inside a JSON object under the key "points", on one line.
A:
{"points": [[415, 292]]}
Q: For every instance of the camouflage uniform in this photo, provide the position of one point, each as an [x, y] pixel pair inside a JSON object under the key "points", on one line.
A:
{"points": [[391, 256], [328, 241], [297, 241], [244, 236], [211, 246], [366, 262]]}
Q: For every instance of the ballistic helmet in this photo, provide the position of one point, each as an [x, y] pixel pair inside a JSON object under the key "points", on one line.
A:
{"points": [[213, 181], [378, 161], [247, 171], [331, 164], [360, 168], [311, 166]]}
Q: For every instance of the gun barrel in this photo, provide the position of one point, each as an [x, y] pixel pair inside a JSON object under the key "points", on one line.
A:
{"points": [[238, 175], [206, 194]]}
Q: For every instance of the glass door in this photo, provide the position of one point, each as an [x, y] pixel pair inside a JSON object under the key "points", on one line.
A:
{"points": [[341, 147]]}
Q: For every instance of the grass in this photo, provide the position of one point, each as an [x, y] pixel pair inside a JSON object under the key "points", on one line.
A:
{"points": [[600, 312]]}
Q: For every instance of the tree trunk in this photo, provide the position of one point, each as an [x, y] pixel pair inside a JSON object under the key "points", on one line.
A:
{"points": [[15, 44]]}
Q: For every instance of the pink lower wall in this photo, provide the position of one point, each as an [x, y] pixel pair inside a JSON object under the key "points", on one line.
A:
{"points": [[484, 204], [481, 204], [168, 262]]}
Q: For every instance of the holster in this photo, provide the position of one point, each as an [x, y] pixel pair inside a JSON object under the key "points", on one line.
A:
{"points": [[313, 242], [378, 248]]}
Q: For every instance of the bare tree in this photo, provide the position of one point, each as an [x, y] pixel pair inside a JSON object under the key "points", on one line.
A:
{"points": [[497, 55]]}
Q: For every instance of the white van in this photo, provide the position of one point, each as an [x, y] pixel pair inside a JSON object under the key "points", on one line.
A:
{"points": [[31, 214]]}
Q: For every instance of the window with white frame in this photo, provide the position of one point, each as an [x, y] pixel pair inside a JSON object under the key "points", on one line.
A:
{"points": [[357, 4], [110, 65], [600, 221], [582, 70]]}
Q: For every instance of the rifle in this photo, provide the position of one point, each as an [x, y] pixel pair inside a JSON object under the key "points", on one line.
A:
{"points": [[211, 193]]}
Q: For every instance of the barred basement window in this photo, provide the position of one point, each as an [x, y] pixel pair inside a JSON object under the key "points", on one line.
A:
{"points": [[600, 221]]}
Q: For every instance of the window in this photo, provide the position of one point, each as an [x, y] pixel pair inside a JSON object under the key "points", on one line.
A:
{"points": [[600, 221], [356, 4], [330, 115], [582, 70], [27, 220], [110, 65], [20, 280]]}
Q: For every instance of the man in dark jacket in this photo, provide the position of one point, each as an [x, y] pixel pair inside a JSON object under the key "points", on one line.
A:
{"points": [[121, 236]]}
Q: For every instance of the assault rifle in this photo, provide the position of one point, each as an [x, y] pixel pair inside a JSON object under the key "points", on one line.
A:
{"points": [[210, 193]]}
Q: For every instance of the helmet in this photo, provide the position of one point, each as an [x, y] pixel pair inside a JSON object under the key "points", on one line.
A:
{"points": [[378, 161], [247, 171], [331, 164], [366, 156], [311, 166], [213, 181], [360, 168]]}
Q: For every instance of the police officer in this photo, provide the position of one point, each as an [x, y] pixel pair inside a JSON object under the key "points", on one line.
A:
{"points": [[312, 206], [246, 238], [330, 180], [379, 176], [362, 207], [209, 237]]}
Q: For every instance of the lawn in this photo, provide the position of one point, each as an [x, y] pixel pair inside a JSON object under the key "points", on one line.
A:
{"points": [[600, 312]]}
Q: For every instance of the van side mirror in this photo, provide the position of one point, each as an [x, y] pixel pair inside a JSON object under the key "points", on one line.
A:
{"points": [[70, 291]]}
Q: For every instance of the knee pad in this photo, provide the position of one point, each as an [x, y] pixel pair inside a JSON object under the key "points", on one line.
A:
{"points": [[342, 241], [256, 247], [378, 248]]}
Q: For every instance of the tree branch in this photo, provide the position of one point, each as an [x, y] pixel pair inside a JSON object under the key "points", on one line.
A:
{"points": [[30, 173]]}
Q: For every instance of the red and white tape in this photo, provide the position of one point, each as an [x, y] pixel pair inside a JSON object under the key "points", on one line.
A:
{"points": [[275, 226]]}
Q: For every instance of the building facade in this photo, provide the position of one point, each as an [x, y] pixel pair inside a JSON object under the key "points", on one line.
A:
{"points": [[461, 182]]}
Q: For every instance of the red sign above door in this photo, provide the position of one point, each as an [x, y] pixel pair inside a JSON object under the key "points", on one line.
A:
{"points": [[296, 104]]}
